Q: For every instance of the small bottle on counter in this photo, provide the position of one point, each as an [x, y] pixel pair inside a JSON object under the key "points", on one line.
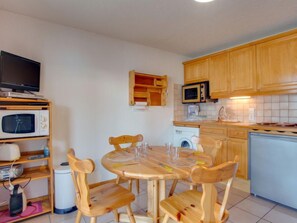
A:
{"points": [[46, 151]]}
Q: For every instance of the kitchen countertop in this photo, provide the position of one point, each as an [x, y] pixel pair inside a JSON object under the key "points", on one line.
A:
{"points": [[250, 126]]}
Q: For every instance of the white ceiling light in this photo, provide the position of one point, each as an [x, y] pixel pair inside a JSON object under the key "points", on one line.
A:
{"points": [[203, 1]]}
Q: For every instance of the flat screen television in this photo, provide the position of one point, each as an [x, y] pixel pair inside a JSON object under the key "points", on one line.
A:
{"points": [[19, 73]]}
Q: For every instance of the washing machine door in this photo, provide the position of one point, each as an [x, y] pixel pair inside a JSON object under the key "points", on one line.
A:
{"points": [[185, 143]]}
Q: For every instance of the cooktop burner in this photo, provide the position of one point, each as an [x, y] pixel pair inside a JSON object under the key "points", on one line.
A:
{"points": [[281, 124]]}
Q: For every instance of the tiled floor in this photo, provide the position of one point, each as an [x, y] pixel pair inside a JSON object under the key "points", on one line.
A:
{"points": [[243, 208]]}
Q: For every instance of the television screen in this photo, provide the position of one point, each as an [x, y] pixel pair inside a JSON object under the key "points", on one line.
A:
{"points": [[18, 73]]}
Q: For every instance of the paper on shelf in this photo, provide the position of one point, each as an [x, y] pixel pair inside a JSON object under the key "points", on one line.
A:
{"points": [[139, 105]]}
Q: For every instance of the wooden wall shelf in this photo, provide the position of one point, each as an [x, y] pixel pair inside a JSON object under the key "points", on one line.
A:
{"points": [[148, 88]]}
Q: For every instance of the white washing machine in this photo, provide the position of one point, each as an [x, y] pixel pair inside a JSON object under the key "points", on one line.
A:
{"points": [[185, 137]]}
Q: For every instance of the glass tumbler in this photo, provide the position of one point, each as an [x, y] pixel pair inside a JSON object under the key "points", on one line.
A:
{"points": [[145, 147], [137, 152], [174, 153], [168, 146]]}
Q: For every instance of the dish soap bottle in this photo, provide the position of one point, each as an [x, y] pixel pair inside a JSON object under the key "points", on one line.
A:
{"points": [[46, 152]]}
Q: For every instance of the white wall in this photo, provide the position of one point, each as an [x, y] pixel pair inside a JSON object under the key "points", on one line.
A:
{"points": [[86, 77]]}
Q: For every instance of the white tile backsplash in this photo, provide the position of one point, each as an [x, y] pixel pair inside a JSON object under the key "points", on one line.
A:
{"points": [[284, 105], [275, 108], [292, 105], [284, 98]]}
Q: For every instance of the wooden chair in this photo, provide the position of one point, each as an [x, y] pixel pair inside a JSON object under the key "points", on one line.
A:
{"points": [[194, 206], [98, 200], [118, 142], [209, 146]]}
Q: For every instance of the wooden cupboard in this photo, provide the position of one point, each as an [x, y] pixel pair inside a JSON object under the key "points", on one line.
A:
{"points": [[277, 64], [219, 75], [148, 88], [234, 144], [242, 71], [35, 170], [237, 145], [266, 66], [196, 71], [219, 133]]}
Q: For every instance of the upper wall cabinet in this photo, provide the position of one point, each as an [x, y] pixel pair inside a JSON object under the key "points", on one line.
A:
{"points": [[277, 65], [266, 66], [196, 71], [219, 75], [148, 88], [242, 71]]}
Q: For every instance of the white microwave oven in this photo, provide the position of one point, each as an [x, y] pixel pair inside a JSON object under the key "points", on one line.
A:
{"points": [[23, 123]]}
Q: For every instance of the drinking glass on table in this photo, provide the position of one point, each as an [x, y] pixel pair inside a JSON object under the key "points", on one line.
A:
{"points": [[137, 152], [174, 153], [168, 146], [145, 147]]}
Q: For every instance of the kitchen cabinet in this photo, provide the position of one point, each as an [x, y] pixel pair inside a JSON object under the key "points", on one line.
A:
{"points": [[234, 144], [148, 88], [35, 170], [277, 64], [219, 75], [242, 71], [262, 67], [196, 71], [238, 146], [219, 133]]}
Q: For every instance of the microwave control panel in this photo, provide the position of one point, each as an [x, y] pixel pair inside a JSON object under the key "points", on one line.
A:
{"points": [[204, 94], [44, 122]]}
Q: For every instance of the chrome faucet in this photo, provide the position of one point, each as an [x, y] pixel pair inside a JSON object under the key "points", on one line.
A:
{"points": [[221, 114]]}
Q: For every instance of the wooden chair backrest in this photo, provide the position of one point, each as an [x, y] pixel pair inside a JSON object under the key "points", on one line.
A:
{"points": [[79, 171], [125, 139], [210, 145], [208, 177]]}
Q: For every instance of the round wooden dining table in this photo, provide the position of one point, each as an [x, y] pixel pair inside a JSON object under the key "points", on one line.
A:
{"points": [[156, 166]]}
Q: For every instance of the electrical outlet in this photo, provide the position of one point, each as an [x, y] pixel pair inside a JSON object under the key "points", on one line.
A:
{"points": [[252, 115]]}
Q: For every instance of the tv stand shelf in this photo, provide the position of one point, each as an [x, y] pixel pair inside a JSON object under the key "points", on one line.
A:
{"points": [[46, 208], [23, 107], [24, 159], [30, 174], [37, 170], [24, 139]]}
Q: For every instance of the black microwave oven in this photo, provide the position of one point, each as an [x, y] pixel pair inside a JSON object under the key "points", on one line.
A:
{"points": [[195, 93]]}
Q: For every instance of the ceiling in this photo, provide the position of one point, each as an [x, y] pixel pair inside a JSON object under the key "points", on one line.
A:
{"points": [[180, 26]]}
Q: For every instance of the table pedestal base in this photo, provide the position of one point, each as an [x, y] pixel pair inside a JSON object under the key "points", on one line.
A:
{"points": [[156, 190]]}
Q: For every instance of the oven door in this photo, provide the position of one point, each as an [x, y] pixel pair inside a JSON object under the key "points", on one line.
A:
{"points": [[191, 93]]}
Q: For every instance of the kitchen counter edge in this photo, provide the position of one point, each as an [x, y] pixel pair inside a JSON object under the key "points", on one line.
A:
{"points": [[249, 126]]}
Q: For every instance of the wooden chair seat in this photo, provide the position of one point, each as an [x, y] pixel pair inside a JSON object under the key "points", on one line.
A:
{"points": [[210, 147], [193, 206], [186, 207], [105, 198], [98, 200]]}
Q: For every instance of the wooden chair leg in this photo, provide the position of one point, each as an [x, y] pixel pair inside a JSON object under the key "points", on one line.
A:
{"points": [[78, 217], [93, 220], [166, 218], [130, 214], [116, 215], [118, 180], [137, 185], [171, 192], [193, 187], [130, 185]]}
